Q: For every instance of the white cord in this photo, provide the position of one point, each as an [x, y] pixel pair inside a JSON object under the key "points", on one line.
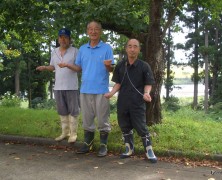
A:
{"points": [[132, 83]]}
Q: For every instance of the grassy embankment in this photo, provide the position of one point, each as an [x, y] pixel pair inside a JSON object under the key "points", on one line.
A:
{"points": [[187, 131]]}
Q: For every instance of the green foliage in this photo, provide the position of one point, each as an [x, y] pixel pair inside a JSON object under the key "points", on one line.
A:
{"points": [[12, 45], [207, 50], [217, 94], [215, 111], [39, 103], [1, 66], [130, 15], [10, 100], [217, 107], [169, 81], [171, 103], [113, 105]]}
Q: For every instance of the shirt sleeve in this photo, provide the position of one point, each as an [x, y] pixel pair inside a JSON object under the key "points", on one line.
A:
{"points": [[148, 74], [78, 58], [52, 61], [109, 53], [75, 54], [118, 73]]}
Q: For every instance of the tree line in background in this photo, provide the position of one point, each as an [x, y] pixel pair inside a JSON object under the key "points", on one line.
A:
{"points": [[29, 32]]}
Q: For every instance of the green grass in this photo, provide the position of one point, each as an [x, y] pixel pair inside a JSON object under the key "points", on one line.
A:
{"points": [[190, 132], [29, 122]]}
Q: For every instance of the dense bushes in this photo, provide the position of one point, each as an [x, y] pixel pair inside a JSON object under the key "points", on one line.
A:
{"points": [[9, 100], [12, 100], [171, 103], [39, 103], [113, 105]]}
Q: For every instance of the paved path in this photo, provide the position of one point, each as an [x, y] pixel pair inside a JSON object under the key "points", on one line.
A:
{"points": [[36, 162]]}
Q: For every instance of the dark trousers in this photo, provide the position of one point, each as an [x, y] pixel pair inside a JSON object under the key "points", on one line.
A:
{"points": [[132, 116], [67, 102]]}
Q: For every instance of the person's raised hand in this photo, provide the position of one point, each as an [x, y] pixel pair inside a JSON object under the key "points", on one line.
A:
{"points": [[147, 97], [108, 95], [62, 65], [107, 62]]}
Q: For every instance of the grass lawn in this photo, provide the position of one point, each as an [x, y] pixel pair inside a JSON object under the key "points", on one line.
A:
{"points": [[190, 132]]}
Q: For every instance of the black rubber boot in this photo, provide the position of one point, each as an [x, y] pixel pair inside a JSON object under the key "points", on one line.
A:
{"points": [[129, 144], [148, 149], [103, 144], [88, 141]]}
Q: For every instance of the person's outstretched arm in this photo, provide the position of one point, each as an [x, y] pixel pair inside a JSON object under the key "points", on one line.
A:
{"points": [[70, 66], [115, 88], [45, 68]]}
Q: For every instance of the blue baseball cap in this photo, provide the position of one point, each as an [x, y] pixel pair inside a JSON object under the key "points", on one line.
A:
{"points": [[65, 32]]}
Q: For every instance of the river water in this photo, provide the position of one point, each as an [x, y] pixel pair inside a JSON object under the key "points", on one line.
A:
{"points": [[184, 90]]}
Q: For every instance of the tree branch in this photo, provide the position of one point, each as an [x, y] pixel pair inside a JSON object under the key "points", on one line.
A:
{"points": [[126, 32], [171, 17]]}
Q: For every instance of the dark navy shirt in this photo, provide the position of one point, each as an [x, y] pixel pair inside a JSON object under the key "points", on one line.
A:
{"points": [[139, 73]]}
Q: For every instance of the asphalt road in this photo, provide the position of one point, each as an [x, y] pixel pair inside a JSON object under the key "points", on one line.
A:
{"points": [[47, 162]]}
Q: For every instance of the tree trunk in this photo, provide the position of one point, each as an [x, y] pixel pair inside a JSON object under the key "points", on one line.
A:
{"points": [[153, 54], [29, 83], [206, 74], [215, 66], [196, 63], [168, 85], [17, 80]]}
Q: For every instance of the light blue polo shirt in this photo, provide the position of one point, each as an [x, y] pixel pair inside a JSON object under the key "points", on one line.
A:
{"points": [[95, 77]]}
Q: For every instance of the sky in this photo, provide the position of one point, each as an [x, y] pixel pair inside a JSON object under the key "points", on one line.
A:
{"points": [[178, 53]]}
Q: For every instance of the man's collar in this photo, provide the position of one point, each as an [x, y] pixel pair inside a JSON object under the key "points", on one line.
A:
{"points": [[134, 63], [98, 45]]}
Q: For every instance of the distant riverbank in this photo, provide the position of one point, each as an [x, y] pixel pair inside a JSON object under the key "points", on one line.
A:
{"points": [[185, 90]]}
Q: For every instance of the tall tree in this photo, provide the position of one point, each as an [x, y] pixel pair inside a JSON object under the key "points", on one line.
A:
{"points": [[198, 11], [206, 93], [215, 31], [26, 18], [193, 43], [169, 62]]}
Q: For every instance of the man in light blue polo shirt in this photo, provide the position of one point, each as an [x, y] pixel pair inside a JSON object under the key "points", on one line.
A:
{"points": [[95, 59]]}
